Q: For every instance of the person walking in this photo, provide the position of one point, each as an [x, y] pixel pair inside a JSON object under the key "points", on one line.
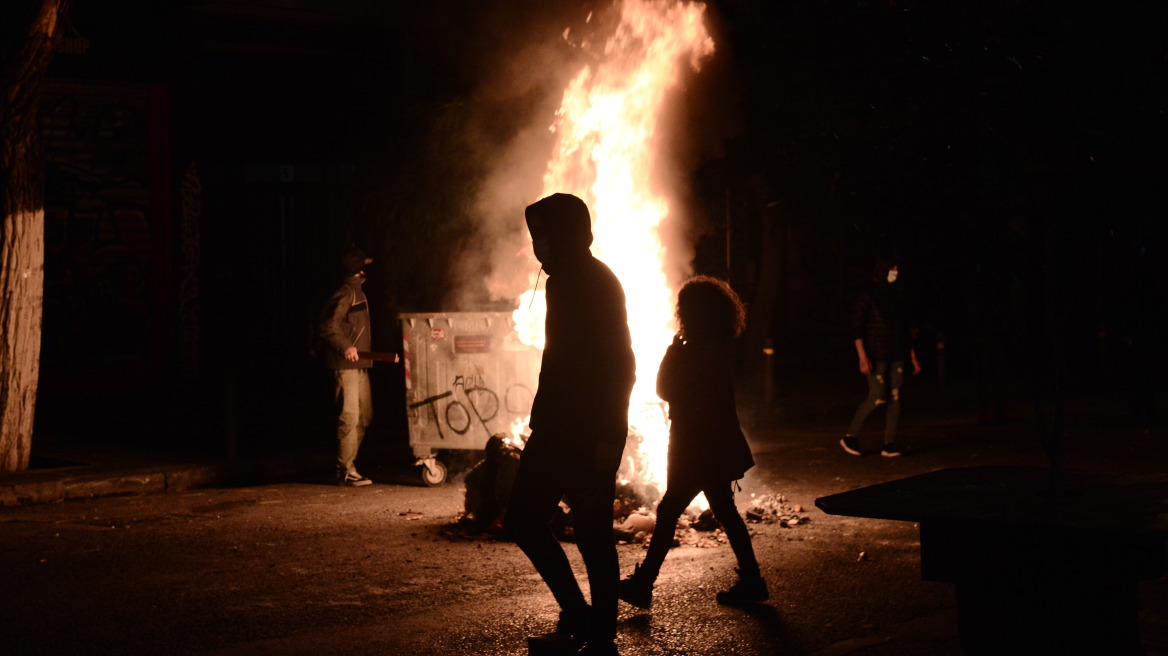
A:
{"points": [[344, 333], [579, 422], [883, 344], [707, 449]]}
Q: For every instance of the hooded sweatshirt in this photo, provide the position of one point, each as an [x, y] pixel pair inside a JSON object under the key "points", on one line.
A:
{"points": [[582, 404]]}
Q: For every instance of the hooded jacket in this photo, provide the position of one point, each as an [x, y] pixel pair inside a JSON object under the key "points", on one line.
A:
{"points": [[586, 376]]}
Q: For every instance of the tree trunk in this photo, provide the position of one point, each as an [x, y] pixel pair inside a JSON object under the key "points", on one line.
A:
{"points": [[29, 30]]}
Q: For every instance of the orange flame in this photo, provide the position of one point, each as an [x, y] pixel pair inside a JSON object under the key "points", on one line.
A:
{"points": [[608, 131]]}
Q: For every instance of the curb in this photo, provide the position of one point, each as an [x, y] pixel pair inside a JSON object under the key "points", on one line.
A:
{"points": [[51, 486]]}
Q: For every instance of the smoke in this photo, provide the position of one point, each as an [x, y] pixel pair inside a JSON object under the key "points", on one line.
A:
{"points": [[526, 55], [521, 65]]}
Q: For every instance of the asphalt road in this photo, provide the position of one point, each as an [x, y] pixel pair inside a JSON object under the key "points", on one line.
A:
{"points": [[311, 568]]}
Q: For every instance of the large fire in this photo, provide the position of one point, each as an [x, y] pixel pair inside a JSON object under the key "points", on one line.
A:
{"points": [[608, 133]]}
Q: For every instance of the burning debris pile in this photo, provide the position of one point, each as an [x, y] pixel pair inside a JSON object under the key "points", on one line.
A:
{"points": [[694, 529], [631, 519], [633, 522], [699, 528], [613, 148], [488, 487]]}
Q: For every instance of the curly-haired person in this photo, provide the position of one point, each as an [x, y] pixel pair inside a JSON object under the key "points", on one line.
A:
{"points": [[707, 449]]}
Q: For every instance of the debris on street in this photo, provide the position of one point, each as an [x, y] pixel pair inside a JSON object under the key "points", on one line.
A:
{"points": [[694, 529], [488, 490], [488, 487], [775, 509]]}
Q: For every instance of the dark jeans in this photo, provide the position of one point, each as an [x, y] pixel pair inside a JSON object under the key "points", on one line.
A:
{"points": [[884, 383], [544, 478], [676, 499]]}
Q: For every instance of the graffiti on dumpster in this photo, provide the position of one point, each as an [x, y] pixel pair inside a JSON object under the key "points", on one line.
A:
{"points": [[471, 404]]}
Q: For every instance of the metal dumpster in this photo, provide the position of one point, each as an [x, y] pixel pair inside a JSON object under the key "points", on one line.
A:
{"points": [[467, 377]]}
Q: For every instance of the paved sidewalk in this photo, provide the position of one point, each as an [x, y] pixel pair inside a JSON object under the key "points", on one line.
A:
{"points": [[68, 469]]}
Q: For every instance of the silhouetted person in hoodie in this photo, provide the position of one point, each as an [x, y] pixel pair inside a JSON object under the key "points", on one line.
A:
{"points": [[579, 421]]}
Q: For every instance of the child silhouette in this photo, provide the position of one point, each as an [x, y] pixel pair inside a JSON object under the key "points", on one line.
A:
{"points": [[707, 450]]}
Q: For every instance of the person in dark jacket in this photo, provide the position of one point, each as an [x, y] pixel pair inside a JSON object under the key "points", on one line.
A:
{"points": [[579, 422], [707, 449], [883, 344], [344, 332]]}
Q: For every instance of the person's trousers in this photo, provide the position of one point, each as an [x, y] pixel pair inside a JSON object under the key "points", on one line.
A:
{"points": [[677, 498], [884, 381], [544, 478], [354, 399]]}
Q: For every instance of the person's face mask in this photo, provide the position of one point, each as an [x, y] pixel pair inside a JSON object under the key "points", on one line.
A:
{"points": [[892, 275]]}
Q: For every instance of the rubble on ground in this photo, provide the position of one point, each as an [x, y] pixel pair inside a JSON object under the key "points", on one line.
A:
{"points": [[488, 490], [695, 528], [775, 509]]}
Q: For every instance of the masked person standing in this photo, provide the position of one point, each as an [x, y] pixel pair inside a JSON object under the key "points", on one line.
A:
{"points": [[345, 331], [579, 422], [883, 344]]}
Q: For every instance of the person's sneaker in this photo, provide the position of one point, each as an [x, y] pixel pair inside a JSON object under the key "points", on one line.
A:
{"points": [[636, 589], [750, 589], [851, 445], [353, 479], [891, 450]]}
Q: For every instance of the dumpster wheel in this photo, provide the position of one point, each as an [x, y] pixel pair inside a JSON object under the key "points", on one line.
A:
{"points": [[433, 471]]}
